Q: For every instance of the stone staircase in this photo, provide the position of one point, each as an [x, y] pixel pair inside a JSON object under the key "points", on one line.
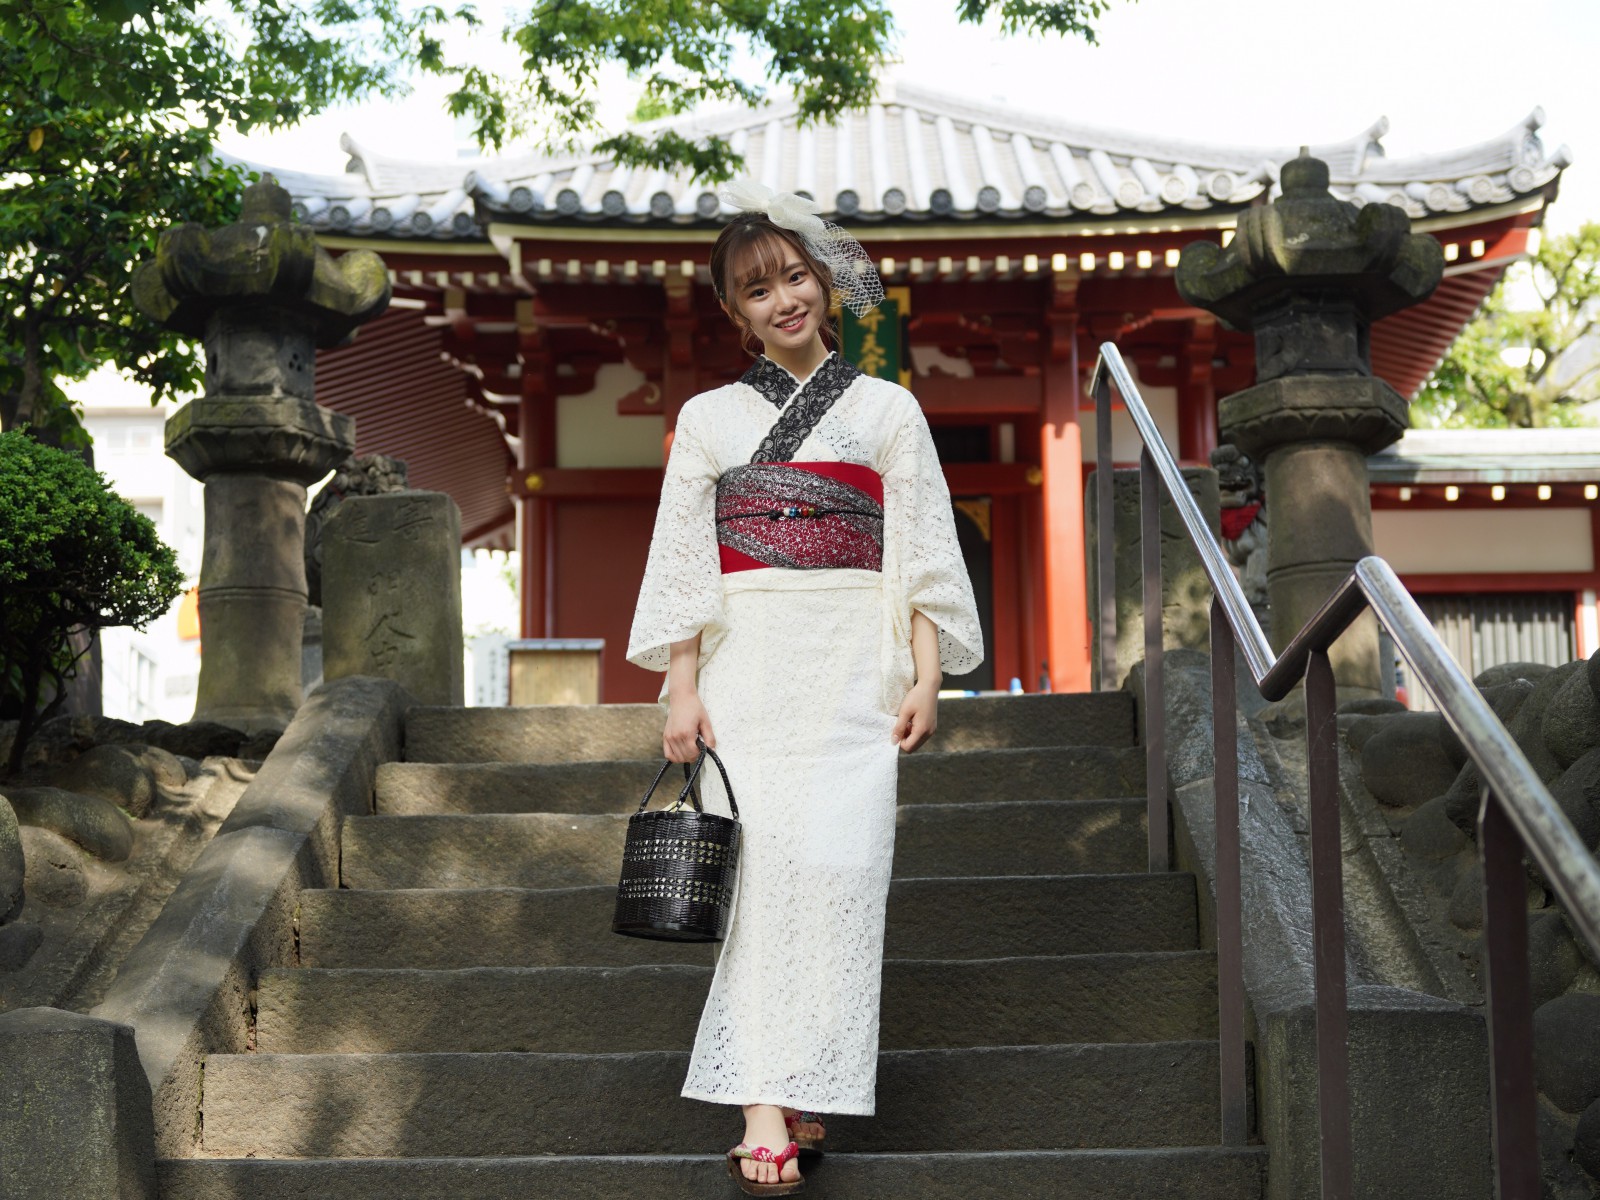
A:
{"points": [[464, 1025]]}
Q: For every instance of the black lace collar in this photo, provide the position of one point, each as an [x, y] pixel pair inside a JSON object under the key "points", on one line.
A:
{"points": [[827, 383], [776, 384]]}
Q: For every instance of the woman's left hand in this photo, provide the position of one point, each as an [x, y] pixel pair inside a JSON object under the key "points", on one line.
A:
{"points": [[919, 716]]}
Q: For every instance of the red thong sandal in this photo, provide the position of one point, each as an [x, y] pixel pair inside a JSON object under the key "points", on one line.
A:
{"points": [[762, 1154], [810, 1147]]}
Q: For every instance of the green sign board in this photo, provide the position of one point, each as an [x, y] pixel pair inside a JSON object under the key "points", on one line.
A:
{"points": [[874, 343]]}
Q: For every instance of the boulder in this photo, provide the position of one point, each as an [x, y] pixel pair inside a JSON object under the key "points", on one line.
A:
{"points": [[12, 866], [257, 746], [1506, 672], [1578, 794], [1505, 698], [1465, 908], [1571, 725], [1370, 706], [1553, 957], [169, 770], [1527, 729], [1404, 762], [200, 739], [55, 869], [1430, 836], [18, 941], [1586, 1140], [1566, 1050], [115, 773], [1359, 729], [95, 824], [61, 739]]}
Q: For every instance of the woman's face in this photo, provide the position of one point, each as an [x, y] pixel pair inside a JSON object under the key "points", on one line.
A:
{"points": [[780, 297]]}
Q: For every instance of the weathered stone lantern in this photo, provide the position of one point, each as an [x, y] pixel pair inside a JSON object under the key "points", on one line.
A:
{"points": [[1309, 274], [264, 297]]}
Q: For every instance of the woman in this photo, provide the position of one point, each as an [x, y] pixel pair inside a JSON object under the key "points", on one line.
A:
{"points": [[803, 592]]}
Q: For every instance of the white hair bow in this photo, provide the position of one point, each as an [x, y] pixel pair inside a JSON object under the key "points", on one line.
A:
{"points": [[856, 283], [787, 209]]}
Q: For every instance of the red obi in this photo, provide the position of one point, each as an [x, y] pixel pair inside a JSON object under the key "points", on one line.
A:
{"points": [[804, 515]]}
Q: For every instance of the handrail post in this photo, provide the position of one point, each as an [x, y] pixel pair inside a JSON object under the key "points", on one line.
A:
{"points": [[1155, 705], [1328, 933], [1509, 1004], [1230, 925], [1105, 549]]}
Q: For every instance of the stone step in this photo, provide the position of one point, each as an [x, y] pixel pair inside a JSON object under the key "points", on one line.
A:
{"points": [[444, 1105], [984, 917], [1189, 1173], [927, 1004], [1059, 773], [592, 733], [1040, 837]]}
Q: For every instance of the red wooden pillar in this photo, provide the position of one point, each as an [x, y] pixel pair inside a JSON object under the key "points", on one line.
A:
{"points": [[536, 427], [1197, 393], [679, 379], [1066, 616]]}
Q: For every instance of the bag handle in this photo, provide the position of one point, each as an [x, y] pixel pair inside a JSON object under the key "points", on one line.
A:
{"points": [[689, 792]]}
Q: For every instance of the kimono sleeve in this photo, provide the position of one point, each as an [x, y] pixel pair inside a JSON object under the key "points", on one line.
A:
{"points": [[681, 593], [922, 558]]}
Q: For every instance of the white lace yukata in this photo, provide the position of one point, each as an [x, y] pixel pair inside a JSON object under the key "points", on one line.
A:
{"points": [[800, 526]]}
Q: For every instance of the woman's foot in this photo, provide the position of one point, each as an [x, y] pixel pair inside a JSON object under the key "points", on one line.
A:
{"points": [[805, 1128], [763, 1126]]}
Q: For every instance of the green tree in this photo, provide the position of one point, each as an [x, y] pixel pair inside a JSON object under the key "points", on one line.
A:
{"points": [[73, 555], [1531, 356], [111, 110]]}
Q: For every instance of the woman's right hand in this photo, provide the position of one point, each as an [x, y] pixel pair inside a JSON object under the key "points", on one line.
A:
{"points": [[686, 718]]}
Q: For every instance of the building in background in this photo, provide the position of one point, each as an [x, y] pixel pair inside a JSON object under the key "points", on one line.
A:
{"points": [[552, 315]]}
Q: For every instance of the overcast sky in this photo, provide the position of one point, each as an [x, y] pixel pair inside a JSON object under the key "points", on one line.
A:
{"points": [[1271, 72]]}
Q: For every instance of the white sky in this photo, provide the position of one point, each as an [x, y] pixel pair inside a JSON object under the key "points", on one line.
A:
{"points": [[1272, 72]]}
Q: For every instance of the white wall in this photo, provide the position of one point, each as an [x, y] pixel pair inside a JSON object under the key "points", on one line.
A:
{"points": [[1437, 541], [590, 433], [1125, 443]]}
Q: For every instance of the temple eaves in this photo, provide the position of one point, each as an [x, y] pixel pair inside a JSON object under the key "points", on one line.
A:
{"points": [[913, 157]]}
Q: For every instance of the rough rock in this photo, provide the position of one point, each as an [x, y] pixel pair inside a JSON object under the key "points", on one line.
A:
{"points": [[1505, 698], [1566, 1050], [95, 824], [1405, 762], [18, 941], [1578, 794], [1553, 958], [1466, 901], [60, 739], [1370, 706], [1428, 834], [55, 869], [12, 866], [257, 746], [200, 739], [1506, 672], [1527, 729], [115, 773], [1571, 725], [1360, 729], [75, 1119], [1586, 1140], [169, 770]]}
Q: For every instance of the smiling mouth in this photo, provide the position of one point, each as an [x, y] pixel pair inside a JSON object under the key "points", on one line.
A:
{"points": [[792, 324]]}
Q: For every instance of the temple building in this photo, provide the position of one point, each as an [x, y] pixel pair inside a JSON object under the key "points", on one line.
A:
{"points": [[553, 315]]}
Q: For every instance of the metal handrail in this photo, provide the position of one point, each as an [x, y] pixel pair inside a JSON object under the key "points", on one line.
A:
{"points": [[1514, 800]]}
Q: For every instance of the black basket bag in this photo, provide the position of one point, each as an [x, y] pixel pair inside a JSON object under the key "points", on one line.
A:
{"points": [[679, 865]]}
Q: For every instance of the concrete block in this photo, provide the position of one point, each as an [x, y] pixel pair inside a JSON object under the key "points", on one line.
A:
{"points": [[391, 593], [75, 1119]]}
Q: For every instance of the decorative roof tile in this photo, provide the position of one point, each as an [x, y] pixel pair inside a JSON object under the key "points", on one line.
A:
{"points": [[913, 155]]}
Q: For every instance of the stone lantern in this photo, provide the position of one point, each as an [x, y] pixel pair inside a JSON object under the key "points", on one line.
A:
{"points": [[1308, 275], [263, 296]]}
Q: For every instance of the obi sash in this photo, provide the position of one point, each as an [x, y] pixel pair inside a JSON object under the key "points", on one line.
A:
{"points": [[804, 515]]}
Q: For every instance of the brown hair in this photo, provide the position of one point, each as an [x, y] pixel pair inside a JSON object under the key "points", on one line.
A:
{"points": [[753, 239]]}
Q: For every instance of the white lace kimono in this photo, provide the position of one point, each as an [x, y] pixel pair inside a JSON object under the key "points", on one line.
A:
{"points": [[802, 670]]}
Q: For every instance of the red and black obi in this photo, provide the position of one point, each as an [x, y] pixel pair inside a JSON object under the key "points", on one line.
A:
{"points": [[805, 515]]}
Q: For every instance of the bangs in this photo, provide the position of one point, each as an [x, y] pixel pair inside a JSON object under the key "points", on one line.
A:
{"points": [[760, 254]]}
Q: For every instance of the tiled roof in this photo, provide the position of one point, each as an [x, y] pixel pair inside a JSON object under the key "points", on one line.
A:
{"points": [[913, 155]]}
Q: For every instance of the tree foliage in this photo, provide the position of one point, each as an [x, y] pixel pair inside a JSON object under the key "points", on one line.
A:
{"points": [[73, 555], [1531, 356], [112, 107]]}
